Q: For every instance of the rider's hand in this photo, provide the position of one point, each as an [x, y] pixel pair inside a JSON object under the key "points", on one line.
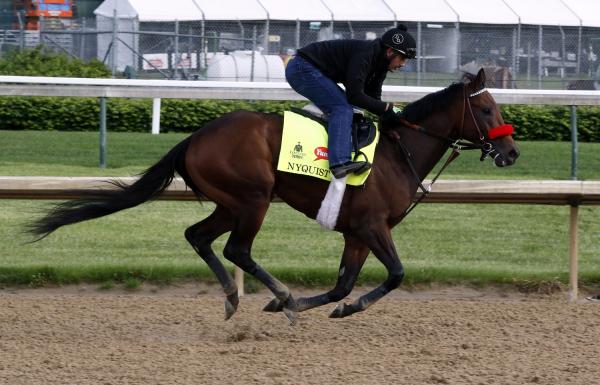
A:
{"points": [[392, 115]]}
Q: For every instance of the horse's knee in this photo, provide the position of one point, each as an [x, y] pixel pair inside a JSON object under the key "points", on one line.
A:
{"points": [[240, 257], [189, 234], [198, 242]]}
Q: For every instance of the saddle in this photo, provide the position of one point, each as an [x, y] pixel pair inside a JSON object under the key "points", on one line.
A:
{"points": [[364, 130]]}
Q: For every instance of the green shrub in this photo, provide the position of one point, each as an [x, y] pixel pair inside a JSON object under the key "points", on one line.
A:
{"points": [[182, 115], [135, 115], [38, 62], [552, 122]]}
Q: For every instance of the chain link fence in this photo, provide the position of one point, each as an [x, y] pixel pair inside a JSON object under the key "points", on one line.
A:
{"points": [[513, 56]]}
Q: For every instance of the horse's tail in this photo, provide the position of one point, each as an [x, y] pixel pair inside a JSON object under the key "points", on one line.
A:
{"points": [[96, 204]]}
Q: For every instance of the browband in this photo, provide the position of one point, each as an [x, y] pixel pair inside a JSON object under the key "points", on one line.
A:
{"points": [[481, 91], [503, 130]]}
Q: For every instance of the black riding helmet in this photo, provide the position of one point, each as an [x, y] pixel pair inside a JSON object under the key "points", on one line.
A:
{"points": [[400, 40]]}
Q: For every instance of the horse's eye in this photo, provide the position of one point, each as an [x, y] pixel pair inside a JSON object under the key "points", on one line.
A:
{"points": [[487, 111]]}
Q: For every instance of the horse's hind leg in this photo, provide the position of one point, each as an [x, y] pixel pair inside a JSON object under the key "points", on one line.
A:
{"points": [[353, 258], [201, 236], [238, 251], [380, 242]]}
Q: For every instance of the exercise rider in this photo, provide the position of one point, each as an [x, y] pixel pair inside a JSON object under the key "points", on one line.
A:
{"points": [[361, 66]]}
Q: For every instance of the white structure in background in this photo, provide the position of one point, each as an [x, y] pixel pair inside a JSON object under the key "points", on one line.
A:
{"points": [[443, 27], [237, 66], [130, 13]]}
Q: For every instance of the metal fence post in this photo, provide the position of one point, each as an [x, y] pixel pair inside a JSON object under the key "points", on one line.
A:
{"points": [[540, 35], [297, 35], [82, 38], [459, 45], [113, 57], [253, 54], [176, 58], [267, 33], [573, 260], [102, 132], [156, 115], [21, 18], [419, 52], [41, 29]]}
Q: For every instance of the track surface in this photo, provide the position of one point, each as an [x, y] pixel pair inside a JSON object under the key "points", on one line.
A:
{"points": [[79, 335]]}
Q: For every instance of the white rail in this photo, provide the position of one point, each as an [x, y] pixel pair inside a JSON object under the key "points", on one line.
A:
{"points": [[179, 89], [573, 193]]}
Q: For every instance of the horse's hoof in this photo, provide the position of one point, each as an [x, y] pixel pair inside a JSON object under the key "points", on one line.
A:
{"points": [[274, 306], [231, 304], [291, 315], [290, 309], [341, 310]]}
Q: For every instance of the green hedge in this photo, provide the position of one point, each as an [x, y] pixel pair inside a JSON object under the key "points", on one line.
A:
{"points": [[124, 115], [552, 122], [38, 62], [134, 115]]}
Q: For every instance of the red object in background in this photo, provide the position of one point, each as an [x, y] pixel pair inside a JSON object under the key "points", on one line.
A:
{"points": [[34, 9]]}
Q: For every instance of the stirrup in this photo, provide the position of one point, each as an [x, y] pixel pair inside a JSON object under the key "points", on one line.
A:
{"points": [[342, 170]]}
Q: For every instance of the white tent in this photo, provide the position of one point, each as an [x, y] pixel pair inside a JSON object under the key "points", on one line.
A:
{"points": [[151, 10], [359, 10], [548, 12], [484, 12], [124, 9], [231, 9], [531, 12], [305, 10], [184, 10], [436, 11], [587, 10]]}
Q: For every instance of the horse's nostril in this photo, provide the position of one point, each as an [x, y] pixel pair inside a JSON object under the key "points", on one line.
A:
{"points": [[514, 153]]}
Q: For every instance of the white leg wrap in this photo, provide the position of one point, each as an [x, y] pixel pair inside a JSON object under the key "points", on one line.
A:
{"points": [[330, 207]]}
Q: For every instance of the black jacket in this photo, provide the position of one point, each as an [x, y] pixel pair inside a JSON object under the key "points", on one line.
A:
{"points": [[360, 65]]}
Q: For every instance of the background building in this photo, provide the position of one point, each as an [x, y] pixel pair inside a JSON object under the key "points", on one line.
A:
{"points": [[522, 43]]}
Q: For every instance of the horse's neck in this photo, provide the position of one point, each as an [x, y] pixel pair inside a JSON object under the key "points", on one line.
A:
{"points": [[426, 151]]}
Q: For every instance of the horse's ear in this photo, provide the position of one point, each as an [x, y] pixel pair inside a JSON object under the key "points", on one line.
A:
{"points": [[479, 81]]}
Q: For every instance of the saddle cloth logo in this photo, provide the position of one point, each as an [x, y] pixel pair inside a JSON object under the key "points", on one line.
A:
{"points": [[304, 149]]}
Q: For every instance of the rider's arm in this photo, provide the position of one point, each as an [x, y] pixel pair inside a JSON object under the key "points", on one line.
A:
{"points": [[358, 69]]}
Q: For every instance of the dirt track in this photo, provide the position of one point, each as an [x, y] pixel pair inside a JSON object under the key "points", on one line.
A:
{"points": [[79, 335]]}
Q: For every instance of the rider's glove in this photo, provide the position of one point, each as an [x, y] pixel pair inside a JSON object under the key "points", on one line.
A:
{"points": [[392, 115]]}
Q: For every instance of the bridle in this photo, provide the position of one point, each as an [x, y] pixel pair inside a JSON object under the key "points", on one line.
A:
{"points": [[487, 148], [457, 145]]}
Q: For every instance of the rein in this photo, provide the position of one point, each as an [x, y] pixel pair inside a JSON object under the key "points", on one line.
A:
{"points": [[457, 145]]}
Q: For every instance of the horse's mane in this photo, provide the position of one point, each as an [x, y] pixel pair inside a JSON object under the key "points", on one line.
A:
{"points": [[434, 102]]}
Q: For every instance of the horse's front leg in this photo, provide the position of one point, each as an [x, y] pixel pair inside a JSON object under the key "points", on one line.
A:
{"points": [[353, 258], [380, 242]]}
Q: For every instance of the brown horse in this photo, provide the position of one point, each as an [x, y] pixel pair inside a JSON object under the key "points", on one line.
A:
{"points": [[232, 161]]}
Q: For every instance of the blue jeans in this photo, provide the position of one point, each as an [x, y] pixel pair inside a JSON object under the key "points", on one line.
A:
{"points": [[309, 82]]}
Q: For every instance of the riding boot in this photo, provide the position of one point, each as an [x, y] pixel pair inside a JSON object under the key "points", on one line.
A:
{"points": [[341, 170]]}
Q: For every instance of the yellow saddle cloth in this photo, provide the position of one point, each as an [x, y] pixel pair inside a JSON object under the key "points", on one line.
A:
{"points": [[304, 149]]}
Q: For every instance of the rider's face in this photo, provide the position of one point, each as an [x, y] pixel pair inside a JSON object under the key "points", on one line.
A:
{"points": [[395, 61]]}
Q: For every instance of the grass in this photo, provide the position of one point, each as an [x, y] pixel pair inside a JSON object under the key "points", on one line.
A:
{"points": [[36, 153], [477, 244]]}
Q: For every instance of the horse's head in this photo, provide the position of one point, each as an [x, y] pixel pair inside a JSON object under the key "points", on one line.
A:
{"points": [[482, 123]]}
